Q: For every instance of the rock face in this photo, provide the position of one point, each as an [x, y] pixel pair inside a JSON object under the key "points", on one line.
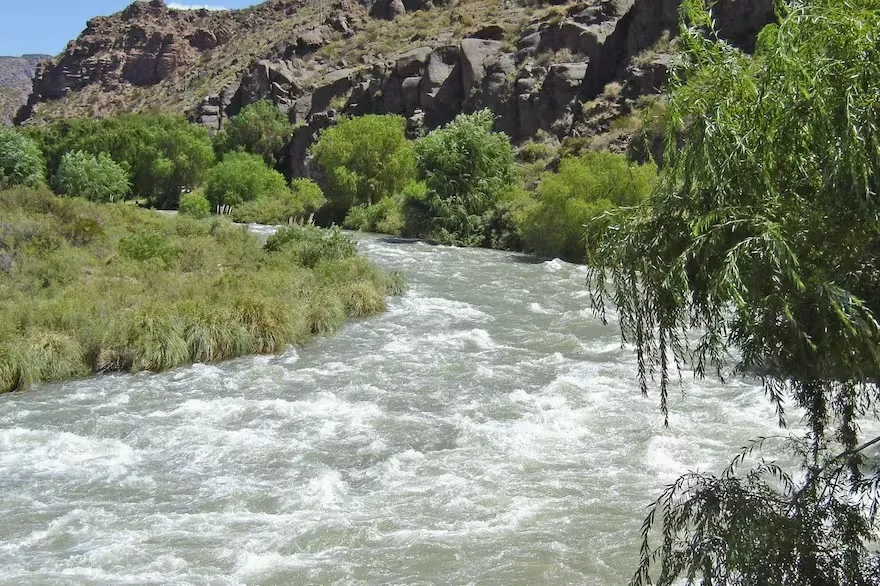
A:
{"points": [[535, 69], [15, 83]]}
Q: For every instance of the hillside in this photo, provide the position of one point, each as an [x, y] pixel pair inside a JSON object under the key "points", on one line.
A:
{"points": [[15, 83], [556, 70]]}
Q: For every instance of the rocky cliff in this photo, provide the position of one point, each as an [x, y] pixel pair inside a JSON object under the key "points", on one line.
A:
{"points": [[557, 69], [15, 83]]}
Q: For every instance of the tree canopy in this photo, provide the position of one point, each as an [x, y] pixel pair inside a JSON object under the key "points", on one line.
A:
{"points": [[260, 128], [466, 168], [21, 162], [583, 188], [364, 159], [96, 178], [759, 255], [242, 177], [164, 154]]}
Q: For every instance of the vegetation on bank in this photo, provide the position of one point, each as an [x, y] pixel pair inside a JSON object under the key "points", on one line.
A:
{"points": [[90, 288], [763, 237], [461, 184]]}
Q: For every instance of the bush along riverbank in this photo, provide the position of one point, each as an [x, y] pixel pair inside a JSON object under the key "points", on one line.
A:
{"points": [[93, 288], [462, 184]]}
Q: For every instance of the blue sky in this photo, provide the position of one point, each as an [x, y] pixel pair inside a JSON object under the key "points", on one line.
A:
{"points": [[45, 26]]}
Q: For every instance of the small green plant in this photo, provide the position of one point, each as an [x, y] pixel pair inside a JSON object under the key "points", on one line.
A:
{"points": [[143, 246], [384, 217], [309, 245], [532, 152], [303, 198], [465, 167]]}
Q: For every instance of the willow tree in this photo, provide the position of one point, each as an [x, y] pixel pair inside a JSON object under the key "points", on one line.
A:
{"points": [[759, 256]]}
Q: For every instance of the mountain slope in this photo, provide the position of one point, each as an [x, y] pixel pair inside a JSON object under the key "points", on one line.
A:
{"points": [[15, 83], [561, 69]]}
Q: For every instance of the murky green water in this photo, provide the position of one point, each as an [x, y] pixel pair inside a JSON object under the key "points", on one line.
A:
{"points": [[487, 430]]}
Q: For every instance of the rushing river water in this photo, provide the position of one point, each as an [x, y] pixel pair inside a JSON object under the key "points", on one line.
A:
{"points": [[486, 430]]}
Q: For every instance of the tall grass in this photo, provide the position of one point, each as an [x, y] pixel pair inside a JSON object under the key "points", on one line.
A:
{"points": [[112, 288]]}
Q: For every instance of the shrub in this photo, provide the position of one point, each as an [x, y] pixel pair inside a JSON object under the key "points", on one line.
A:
{"points": [[96, 178], [384, 217], [303, 198], [240, 178], [532, 152], [307, 193], [364, 159], [21, 162], [466, 167], [195, 205], [309, 245], [260, 129], [581, 190], [178, 290], [146, 245]]}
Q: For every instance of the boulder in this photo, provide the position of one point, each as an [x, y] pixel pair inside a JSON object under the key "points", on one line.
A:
{"points": [[203, 39], [410, 92], [412, 62], [491, 32], [334, 84], [441, 83], [477, 57], [310, 41], [388, 9]]}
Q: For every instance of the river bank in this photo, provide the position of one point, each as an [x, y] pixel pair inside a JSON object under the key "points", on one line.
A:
{"points": [[107, 288]]}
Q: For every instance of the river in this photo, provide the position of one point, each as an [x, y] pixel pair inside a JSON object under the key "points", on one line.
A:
{"points": [[486, 430]]}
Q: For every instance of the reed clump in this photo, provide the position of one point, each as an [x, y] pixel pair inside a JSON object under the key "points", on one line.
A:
{"points": [[113, 288]]}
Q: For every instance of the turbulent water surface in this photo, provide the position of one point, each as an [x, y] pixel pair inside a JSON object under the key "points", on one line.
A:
{"points": [[486, 430]]}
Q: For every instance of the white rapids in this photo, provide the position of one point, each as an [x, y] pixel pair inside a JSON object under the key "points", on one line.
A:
{"points": [[486, 430]]}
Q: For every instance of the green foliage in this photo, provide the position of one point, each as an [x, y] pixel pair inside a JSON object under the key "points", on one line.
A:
{"points": [[763, 239], [582, 189], [307, 193], [308, 245], [164, 154], [21, 162], [532, 152], [96, 178], [384, 217], [364, 159], [195, 205], [260, 129], [466, 169], [143, 246], [303, 198], [178, 291], [240, 178]]}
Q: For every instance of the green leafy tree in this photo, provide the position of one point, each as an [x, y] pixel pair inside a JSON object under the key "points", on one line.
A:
{"points": [[195, 205], [260, 128], [467, 169], [165, 155], [364, 159], [242, 177], [764, 238], [96, 178], [21, 162], [582, 189]]}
